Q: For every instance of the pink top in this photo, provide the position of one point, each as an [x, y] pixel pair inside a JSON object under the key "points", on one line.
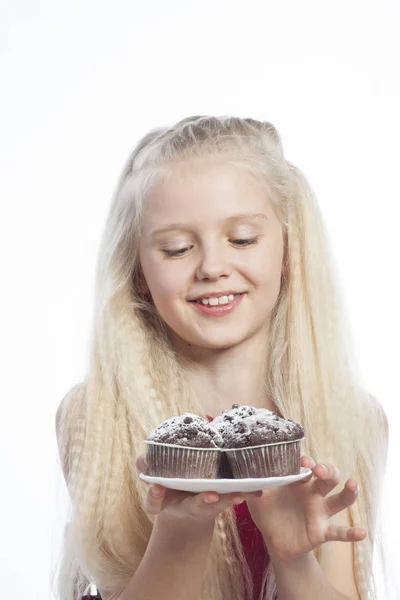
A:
{"points": [[253, 546]]}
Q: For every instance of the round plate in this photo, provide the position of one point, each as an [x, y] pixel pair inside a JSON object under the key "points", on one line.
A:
{"points": [[225, 486]]}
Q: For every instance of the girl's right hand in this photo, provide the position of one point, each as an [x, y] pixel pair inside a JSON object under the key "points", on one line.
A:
{"points": [[179, 505]]}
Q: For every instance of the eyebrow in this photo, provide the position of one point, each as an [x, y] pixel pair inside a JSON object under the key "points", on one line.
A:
{"points": [[184, 226]]}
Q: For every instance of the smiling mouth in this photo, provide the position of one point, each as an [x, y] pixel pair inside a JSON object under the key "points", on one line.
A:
{"points": [[217, 306], [216, 300]]}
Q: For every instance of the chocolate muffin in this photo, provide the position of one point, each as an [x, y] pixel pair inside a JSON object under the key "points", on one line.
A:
{"points": [[230, 417], [184, 446], [259, 443], [224, 423]]}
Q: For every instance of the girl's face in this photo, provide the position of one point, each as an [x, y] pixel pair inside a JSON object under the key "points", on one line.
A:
{"points": [[209, 232]]}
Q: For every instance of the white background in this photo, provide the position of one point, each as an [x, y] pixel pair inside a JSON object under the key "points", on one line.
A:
{"points": [[81, 81]]}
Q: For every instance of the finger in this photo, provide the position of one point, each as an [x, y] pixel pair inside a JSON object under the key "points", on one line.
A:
{"points": [[224, 500], [195, 504], [338, 502], [141, 464], [308, 463], [229, 500], [210, 497], [338, 533], [154, 499], [239, 497], [207, 503], [250, 495], [327, 478]]}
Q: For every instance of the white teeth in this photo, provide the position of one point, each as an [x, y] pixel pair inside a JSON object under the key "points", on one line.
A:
{"points": [[216, 301]]}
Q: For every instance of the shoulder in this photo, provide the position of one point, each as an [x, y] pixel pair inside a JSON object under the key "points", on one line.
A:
{"points": [[373, 434], [68, 403], [378, 416], [67, 410]]}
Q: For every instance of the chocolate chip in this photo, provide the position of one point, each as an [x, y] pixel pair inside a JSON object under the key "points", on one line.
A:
{"points": [[187, 420]]}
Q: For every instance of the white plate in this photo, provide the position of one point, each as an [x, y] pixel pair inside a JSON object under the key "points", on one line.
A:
{"points": [[225, 486]]}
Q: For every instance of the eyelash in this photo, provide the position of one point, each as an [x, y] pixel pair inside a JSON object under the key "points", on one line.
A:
{"points": [[181, 251]]}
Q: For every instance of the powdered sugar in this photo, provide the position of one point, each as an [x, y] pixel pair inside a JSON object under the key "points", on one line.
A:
{"points": [[187, 430], [242, 426], [269, 419], [245, 426]]}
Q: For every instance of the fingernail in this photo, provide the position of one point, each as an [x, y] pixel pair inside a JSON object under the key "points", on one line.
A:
{"points": [[146, 462], [324, 467], [238, 501], [210, 501], [155, 492], [357, 490]]}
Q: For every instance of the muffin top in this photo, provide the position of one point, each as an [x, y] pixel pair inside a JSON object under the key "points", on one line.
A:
{"points": [[230, 417], [187, 430], [236, 413], [245, 426]]}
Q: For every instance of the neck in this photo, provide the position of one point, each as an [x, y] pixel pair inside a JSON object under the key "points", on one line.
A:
{"points": [[220, 378]]}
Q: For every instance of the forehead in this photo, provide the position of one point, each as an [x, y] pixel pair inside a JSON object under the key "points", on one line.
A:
{"points": [[204, 191]]}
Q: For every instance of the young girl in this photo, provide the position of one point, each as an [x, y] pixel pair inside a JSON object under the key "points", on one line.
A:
{"points": [[211, 208]]}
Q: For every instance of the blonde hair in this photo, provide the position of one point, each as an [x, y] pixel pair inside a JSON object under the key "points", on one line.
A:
{"points": [[133, 380]]}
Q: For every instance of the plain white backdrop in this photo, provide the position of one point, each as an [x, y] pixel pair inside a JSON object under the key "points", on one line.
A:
{"points": [[81, 81]]}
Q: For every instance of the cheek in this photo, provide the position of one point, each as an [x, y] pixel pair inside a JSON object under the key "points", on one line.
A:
{"points": [[167, 294], [164, 283], [267, 265], [261, 271], [265, 276]]}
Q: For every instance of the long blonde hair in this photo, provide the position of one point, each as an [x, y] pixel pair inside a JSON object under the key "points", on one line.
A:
{"points": [[133, 380]]}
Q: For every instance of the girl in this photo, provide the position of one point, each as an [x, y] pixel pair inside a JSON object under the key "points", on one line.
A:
{"points": [[211, 208]]}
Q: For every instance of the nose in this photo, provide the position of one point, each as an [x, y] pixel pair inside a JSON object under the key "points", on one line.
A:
{"points": [[213, 264]]}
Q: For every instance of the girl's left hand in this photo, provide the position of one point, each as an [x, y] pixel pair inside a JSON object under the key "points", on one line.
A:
{"points": [[294, 519]]}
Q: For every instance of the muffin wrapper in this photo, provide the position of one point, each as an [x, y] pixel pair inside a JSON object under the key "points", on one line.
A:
{"points": [[225, 469], [182, 462], [273, 460]]}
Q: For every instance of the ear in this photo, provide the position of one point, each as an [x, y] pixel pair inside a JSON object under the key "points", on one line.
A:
{"points": [[143, 287], [141, 283], [284, 271]]}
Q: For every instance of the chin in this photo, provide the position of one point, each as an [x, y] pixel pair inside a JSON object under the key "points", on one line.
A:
{"points": [[218, 343]]}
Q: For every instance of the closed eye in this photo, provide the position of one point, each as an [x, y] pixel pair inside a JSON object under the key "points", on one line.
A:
{"points": [[245, 242], [240, 242], [178, 252]]}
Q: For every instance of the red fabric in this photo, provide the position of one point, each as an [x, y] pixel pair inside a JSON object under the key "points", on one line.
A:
{"points": [[252, 542], [253, 546]]}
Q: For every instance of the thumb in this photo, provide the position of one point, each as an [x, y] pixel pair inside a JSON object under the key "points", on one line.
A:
{"points": [[154, 499], [141, 464]]}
